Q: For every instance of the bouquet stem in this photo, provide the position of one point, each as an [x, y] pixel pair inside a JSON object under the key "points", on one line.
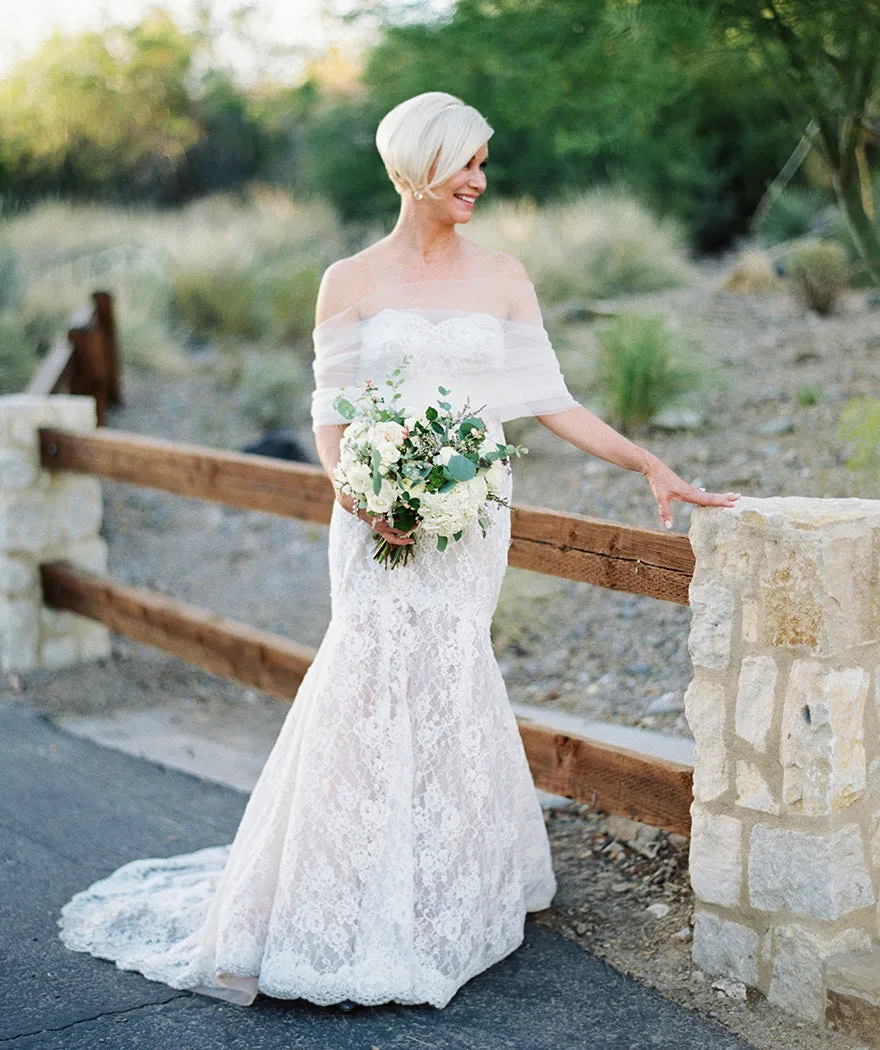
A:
{"points": [[391, 554]]}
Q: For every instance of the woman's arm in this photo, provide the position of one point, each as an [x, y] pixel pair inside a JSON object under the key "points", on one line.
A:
{"points": [[587, 432]]}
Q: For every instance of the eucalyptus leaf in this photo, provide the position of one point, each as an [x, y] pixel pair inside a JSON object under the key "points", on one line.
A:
{"points": [[461, 468], [344, 407], [442, 541]]}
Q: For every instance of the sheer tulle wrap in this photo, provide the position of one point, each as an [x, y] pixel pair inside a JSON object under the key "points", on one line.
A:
{"points": [[511, 372]]}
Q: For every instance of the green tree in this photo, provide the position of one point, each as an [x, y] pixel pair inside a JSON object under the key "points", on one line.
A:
{"points": [[825, 55]]}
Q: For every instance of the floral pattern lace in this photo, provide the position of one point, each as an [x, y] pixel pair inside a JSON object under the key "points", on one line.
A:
{"points": [[394, 841]]}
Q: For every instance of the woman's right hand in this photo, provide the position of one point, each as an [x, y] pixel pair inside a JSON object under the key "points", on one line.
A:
{"points": [[377, 523]]}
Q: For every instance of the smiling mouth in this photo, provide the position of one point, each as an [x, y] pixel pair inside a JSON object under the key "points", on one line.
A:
{"points": [[465, 198]]}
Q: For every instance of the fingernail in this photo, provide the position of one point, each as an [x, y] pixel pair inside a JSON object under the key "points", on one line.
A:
{"points": [[668, 524]]}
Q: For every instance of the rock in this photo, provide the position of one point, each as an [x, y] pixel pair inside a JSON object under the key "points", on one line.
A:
{"points": [[580, 311], [683, 419], [280, 444], [716, 861], [820, 876], [726, 948], [732, 989], [667, 703], [684, 935], [775, 427], [639, 670], [659, 910]]}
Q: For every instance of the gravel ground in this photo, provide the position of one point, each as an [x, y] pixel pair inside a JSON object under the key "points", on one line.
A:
{"points": [[599, 654]]}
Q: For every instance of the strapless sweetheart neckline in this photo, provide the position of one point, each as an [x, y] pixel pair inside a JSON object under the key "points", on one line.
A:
{"points": [[434, 324]]}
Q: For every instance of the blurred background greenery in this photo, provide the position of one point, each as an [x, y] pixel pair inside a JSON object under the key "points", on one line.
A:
{"points": [[634, 136]]}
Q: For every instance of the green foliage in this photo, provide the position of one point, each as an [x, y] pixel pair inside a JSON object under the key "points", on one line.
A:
{"points": [[218, 301], [600, 244], [860, 428], [8, 275], [18, 359], [797, 212], [272, 386], [638, 373], [819, 274], [291, 291], [808, 396]]}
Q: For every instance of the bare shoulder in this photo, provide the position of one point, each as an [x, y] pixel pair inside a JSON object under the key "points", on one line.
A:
{"points": [[341, 286], [507, 266]]}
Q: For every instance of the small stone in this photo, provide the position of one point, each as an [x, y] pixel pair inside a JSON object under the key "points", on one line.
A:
{"points": [[620, 887], [580, 928], [659, 910], [684, 935], [732, 989], [683, 419], [666, 703], [775, 428]]}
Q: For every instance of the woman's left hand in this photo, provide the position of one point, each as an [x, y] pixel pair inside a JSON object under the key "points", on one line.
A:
{"points": [[667, 486]]}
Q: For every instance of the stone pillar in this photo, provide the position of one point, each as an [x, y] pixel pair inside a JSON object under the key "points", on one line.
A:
{"points": [[785, 711], [44, 516]]}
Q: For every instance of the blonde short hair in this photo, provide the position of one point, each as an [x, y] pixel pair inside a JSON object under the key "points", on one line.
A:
{"points": [[428, 127]]}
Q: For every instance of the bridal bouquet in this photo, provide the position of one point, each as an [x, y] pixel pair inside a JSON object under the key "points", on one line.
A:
{"points": [[436, 472]]}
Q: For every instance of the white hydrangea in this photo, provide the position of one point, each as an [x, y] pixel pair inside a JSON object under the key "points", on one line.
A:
{"points": [[495, 477]]}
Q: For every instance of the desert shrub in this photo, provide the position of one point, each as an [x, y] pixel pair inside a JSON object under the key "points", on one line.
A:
{"points": [[273, 386], [819, 273], [638, 373], [43, 317], [8, 274], [860, 429], [18, 359], [221, 301], [291, 291], [808, 395], [600, 244], [751, 274]]}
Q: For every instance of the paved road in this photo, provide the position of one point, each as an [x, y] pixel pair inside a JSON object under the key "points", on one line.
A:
{"points": [[71, 811]]}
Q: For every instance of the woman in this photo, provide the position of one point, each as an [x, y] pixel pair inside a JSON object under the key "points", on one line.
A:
{"points": [[394, 842]]}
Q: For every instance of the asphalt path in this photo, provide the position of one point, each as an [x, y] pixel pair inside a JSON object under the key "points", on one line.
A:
{"points": [[71, 811]]}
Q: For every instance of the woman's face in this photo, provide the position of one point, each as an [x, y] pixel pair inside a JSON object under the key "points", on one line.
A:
{"points": [[457, 195]]}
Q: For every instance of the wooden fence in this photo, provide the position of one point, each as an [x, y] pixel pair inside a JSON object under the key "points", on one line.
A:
{"points": [[85, 360], [639, 561]]}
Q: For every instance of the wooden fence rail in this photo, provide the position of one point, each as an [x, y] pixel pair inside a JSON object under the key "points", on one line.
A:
{"points": [[85, 360], [639, 561]]}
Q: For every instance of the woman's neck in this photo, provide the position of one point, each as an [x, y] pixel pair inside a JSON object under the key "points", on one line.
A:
{"points": [[424, 245]]}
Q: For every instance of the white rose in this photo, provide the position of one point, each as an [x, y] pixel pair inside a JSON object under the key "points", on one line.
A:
{"points": [[360, 477], [389, 433], [444, 455], [383, 501], [476, 489], [388, 452]]}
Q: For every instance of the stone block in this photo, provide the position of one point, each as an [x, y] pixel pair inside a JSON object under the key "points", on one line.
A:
{"points": [[62, 651], [55, 622], [753, 791], [822, 748], [756, 700], [18, 576], [716, 857], [75, 508], [724, 947], [18, 469], [93, 640], [19, 634], [711, 626], [21, 415], [852, 995], [821, 876], [23, 520], [88, 554], [705, 713], [791, 589], [797, 982], [724, 549]]}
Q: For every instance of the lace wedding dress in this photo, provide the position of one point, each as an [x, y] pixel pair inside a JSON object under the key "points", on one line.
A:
{"points": [[394, 841]]}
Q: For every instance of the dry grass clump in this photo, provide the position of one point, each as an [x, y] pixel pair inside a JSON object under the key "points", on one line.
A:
{"points": [[224, 269], [752, 274], [819, 272], [597, 245]]}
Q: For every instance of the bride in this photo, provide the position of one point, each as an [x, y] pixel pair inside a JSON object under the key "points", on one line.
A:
{"points": [[394, 842]]}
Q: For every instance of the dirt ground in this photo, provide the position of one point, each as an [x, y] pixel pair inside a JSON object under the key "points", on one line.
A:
{"points": [[560, 644]]}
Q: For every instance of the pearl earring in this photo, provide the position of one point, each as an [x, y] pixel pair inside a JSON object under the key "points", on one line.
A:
{"points": [[418, 195]]}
